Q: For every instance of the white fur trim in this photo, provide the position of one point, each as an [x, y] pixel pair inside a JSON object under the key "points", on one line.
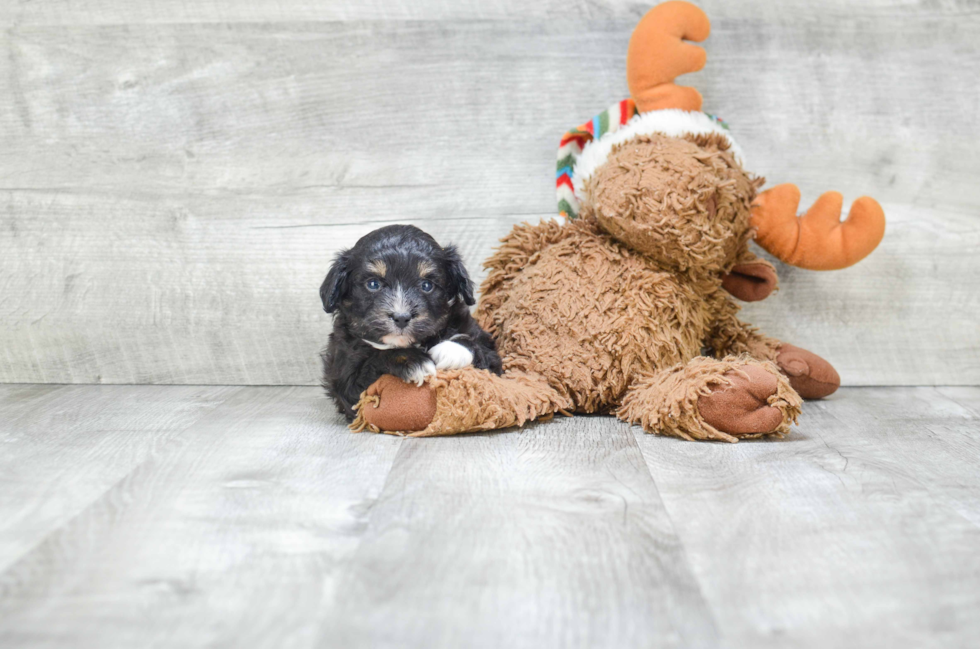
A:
{"points": [[669, 121], [451, 356]]}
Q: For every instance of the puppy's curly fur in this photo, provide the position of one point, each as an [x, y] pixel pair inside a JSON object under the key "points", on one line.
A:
{"points": [[400, 305]]}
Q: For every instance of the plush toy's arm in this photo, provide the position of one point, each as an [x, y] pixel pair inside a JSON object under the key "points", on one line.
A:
{"points": [[457, 401]]}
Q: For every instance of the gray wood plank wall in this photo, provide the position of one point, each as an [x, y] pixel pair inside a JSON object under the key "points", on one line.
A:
{"points": [[174, 176]]}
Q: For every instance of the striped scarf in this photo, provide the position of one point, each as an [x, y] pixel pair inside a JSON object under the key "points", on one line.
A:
{"points": [[574, 141]]}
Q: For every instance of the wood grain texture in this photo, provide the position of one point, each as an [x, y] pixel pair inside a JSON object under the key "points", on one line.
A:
{"points": [[232, 533], [162, 516], [176, 176], [552, 537], [859, 529], [107, 12], [65, 447]]}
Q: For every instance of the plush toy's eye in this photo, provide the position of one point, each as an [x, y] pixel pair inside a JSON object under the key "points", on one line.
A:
{"points": [[373, 285], [427, 286]]}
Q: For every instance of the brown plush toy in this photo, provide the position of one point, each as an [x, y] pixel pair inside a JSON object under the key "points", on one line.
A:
{"points": [[626, 308]]}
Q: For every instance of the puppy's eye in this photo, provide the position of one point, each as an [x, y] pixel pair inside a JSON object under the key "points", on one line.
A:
{"points": [[373, 285], [427, 286]]}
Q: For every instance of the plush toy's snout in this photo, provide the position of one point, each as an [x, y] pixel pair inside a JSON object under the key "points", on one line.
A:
{"points": [[750, 282]]}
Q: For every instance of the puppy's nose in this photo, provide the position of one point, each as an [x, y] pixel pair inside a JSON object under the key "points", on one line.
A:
{"points": [[401, 319]]}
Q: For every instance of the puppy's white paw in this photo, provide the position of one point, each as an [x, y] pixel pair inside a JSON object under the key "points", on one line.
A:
{"points": [[416, 373], [451, 356]]}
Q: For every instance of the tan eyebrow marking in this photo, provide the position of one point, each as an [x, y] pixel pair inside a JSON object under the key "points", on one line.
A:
{"points": [[425, 268], [377, 267]]}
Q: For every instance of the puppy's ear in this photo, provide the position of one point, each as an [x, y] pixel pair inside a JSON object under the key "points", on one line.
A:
{"points": [[459, 281], [337, 282]]}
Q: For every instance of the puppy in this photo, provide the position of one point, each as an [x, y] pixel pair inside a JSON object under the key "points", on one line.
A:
{"points": [[400, 306]]}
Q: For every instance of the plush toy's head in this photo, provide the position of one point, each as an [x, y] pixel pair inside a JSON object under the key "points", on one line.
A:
{"points": [[685, 201], [667, 179]]}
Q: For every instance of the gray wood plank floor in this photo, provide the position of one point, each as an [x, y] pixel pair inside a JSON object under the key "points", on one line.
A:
{"points": [[184, 516]]}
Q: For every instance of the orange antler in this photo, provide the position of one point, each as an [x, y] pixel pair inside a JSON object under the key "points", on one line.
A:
{"points": [[657, 54], [818, 240]]}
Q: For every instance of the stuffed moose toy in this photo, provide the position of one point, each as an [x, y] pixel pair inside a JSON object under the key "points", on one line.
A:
{"points": [[624, 306]]}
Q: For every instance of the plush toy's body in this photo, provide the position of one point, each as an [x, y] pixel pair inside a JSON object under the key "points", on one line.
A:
{"points": [[609, 330], [627, 307]]}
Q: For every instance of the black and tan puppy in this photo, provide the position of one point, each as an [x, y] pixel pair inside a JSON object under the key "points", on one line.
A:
{"points": [[400, 305]]}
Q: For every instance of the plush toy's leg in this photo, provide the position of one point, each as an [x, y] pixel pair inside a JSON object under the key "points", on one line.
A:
{"points": [[811, 376], [456, 401], [729, 399]]}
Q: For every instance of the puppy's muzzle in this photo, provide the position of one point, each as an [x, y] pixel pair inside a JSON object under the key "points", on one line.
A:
{"points": [[401, 320]]}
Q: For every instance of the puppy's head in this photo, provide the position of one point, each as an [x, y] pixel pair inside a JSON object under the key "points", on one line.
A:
{"points": [[396, 286]]}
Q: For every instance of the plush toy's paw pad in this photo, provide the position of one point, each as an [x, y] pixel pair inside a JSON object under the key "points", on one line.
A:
{"points": [[399, 406], [811, 376], [742, 407]]}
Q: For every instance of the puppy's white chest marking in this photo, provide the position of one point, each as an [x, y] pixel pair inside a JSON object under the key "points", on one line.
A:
{"points": [[451, 356]]}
